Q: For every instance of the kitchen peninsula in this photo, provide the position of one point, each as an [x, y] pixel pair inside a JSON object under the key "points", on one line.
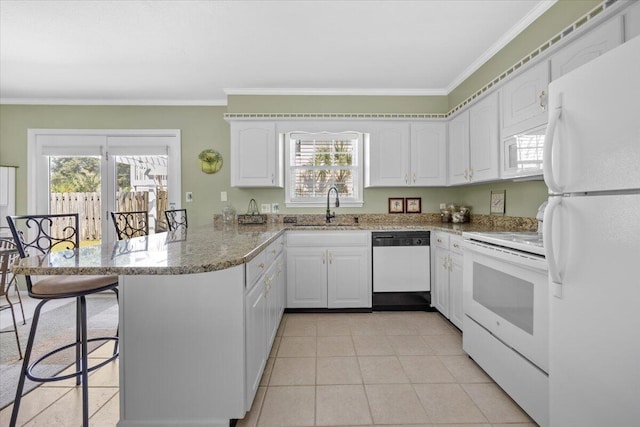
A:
{"points": [[185, 346]]}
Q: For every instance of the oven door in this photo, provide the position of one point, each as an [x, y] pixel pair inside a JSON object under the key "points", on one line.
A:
{"points": [[506, 292]]}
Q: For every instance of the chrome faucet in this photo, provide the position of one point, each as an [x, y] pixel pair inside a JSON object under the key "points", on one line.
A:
{"points": [[329, 215]]}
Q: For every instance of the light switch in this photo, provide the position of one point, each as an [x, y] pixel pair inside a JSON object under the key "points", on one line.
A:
{"points": [[188, 197], [223, 196], [265, 208]]}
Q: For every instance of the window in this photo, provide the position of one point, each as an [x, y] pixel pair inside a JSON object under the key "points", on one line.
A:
{"points": [[318, 161]]}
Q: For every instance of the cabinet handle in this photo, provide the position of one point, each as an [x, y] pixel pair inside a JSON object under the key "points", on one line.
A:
{"points": [[324, 260], [466, 174], [414, 177], [455, 245], [470, 174], [406, 179], [330, 258], [542, 104], [261, 265], [439, 241]]}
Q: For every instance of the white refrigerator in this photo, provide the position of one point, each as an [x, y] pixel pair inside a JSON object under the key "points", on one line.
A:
{"points": [[592, 241]]}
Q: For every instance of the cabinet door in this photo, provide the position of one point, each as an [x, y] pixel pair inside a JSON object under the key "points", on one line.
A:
{"points": [[306, 277], [459, 148], [388, 155], [440, 293], [524, 100], [272, 304], [255, 155], [456, 313], [593, 44], [632, 22], [349, 281], [428, 154], [256, 339], [484, 141]]}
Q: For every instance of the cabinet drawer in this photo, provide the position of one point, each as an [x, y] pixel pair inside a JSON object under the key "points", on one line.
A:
{"points": [[273, 250], [455, 244], [330, 238], [441, 240], [255, 268]]}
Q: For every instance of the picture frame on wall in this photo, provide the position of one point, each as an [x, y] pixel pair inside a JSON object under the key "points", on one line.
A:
{"points": [[413, 205], [396, 205], [497, 203]]}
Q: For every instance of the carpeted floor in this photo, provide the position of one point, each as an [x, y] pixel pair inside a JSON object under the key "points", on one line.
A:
{"points": [[56, 327]]}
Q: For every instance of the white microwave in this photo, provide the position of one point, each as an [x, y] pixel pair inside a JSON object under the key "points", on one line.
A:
{"points": [[522, 154]]}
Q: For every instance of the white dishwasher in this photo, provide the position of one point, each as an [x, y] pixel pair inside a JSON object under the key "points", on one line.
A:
{"points": [[401, 270]]}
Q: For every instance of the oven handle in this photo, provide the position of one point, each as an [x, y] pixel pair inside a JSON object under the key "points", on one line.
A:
{"points": [[547, 229]]}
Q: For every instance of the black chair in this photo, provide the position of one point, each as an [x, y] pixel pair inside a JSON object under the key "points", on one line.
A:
{"points": [[40, 235], [8, 253], [131, 224], [176, 218]]}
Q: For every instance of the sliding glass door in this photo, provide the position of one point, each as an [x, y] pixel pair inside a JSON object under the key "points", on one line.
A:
{"points": [[93, 173]]}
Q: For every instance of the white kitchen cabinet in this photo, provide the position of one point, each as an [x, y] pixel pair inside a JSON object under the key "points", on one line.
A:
{"points": [[428, 154], [459, 149], [264, 305], [256, 339], [524, 100], [406, 154], [593, 44], [388, 151], [484, 140], [348, 278], [446, 295], [256, 155], [328, 270], [632, 22], [7, 196], [474, 143]]}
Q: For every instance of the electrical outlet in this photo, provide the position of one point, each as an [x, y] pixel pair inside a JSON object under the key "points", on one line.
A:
{"points": [[265, 208], [275, 208], [223, 196], [188, 197]]}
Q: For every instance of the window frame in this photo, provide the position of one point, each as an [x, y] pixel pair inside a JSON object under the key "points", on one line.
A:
{"points": [[357, 168]]}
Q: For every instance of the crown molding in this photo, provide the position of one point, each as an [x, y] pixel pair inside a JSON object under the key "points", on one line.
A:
{"points": [[336, 92], [514, 31], [98, 102]]}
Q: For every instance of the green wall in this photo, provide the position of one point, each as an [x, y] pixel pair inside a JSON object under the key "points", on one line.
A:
{"points": [[204, 127]]}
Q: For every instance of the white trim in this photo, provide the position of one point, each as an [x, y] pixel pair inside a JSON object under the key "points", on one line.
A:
{"points": [[99, 102], [338, 92], [507, 37]]}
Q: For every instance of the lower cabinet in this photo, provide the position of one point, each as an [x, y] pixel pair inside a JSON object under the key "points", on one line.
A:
{"points": [[447, 276], [264, 305], [328, 270]]}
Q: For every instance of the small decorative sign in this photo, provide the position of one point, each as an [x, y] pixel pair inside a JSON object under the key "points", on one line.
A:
{"points": [[413, 205], [497, 206], [396, 205]]}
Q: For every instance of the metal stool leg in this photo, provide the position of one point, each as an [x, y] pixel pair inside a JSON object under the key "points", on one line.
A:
{"points": [[78, 339], [15, 325], [15, 285], [25, 364], [85, 363], [115, 345]]}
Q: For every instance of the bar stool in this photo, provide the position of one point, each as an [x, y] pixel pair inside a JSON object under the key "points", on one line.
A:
{"points": [[176, 218], [40, 235], [10, 279], [131, 224], [7, 256]]}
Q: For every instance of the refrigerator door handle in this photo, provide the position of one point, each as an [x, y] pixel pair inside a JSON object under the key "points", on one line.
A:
{"points": [[554, 272], [547, 166]]}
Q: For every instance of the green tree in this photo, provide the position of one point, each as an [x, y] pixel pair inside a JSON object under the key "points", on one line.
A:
{"points": [[82, 175]]}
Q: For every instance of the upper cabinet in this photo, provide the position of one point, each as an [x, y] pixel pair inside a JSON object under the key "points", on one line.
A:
{"points": [[256, 155], [459, 149], [632, 22], [593, 44], [406, 154], [484, 140], [474, 142], [524, 100]]}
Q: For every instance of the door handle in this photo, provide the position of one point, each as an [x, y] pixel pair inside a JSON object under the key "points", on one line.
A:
{"points": [[547, 166], [547, 229], [542, 105]]}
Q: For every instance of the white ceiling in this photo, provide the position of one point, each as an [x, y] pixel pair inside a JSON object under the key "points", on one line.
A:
{"points": [[197, 52]]}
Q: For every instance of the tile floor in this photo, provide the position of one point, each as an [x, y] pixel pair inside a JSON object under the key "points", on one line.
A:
{"points": [[365, 369]]}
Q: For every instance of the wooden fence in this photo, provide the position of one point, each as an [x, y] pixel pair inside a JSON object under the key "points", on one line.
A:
{"points": [[89, 209]]}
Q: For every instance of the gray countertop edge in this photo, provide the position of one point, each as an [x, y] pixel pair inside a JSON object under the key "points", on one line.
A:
{"points": [[28, 266]]}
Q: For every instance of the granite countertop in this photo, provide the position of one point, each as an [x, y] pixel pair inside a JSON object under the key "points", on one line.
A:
{"points": [[198, 249]]}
